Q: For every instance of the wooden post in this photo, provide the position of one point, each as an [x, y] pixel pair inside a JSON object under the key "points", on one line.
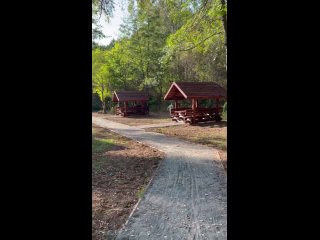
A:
{"points": [[193, 110], [176, 104], [146, 107], [217, 105], [217, 118], [143, 107], [193, 104], [125, 108], [197, 103]]}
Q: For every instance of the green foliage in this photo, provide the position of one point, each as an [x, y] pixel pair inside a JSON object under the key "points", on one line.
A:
{"points": [[224, 114], [96, 102], [103, 6], [161, 42], [225, 107], [96, 28]]}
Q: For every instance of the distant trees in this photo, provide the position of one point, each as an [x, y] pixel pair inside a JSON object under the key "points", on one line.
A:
{"points": [[163, 41]]}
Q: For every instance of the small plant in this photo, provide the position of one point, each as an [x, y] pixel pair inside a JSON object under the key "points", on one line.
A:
{"points": [[225, 107], [224, 113], [141, 192]]}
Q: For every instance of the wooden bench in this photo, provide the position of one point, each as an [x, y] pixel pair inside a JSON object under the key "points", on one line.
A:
{"points": [[131, 110], [199, 115]]}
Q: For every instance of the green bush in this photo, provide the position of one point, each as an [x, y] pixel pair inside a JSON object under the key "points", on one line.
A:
{"points": [[96, 103], [225, 107], [224, 113], [153, 104]]}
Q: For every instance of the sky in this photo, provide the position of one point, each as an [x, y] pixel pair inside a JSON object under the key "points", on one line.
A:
{"points": [[111, 29]]}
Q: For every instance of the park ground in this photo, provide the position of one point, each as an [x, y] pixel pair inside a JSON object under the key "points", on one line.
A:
{"points": [[122, 168], [209, 134], [152, 118]]}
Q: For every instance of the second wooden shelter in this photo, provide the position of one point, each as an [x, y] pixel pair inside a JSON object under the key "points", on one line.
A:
{"points": [[131, 102], [195, 91]]}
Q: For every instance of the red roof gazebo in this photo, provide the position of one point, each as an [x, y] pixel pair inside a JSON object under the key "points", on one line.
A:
{"points": [[195, 91], [131, 102]]}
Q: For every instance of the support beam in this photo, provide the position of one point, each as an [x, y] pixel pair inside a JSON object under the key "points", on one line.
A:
{"points": [[125, 108], [217, 105], [193, 104], [217, 117], [193, 110]]}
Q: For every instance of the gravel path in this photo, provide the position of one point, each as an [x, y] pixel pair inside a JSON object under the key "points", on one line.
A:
{"points": [[187, 197], [155, 125]]}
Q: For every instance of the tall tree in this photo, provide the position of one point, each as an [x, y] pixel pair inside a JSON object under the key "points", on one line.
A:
{"points": [[100, 72], [167, 40]]}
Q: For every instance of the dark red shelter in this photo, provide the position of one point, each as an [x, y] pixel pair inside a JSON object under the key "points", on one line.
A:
{"points": [[195, 91], [131, 102]]}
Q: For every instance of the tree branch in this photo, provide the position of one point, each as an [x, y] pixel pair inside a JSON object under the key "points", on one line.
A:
{"points": [[202, 41]]}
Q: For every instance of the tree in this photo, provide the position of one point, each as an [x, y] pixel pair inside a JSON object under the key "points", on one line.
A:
{"points": [[163, 41], [104, 6], [100, 69], [96, 28]]}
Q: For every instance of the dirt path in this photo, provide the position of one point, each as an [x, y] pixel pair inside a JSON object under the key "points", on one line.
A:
{"points": [[187, 198]]}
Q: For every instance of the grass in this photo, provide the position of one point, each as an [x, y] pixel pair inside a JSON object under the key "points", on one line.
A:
{"points": [[101, 145]]}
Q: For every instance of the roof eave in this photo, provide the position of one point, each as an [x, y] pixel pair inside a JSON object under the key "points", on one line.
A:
{"points": [[180, 90]]}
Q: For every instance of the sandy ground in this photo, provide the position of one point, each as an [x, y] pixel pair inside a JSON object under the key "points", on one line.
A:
{"points": [[187, 198]]}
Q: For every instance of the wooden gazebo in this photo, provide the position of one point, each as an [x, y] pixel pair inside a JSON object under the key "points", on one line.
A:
{"points": [[195, 91], [131, 102]]}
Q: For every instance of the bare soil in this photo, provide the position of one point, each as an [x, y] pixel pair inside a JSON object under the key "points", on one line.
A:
{"points": [[121, 168]]}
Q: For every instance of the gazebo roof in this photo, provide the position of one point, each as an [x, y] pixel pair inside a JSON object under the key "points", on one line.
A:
{"points": [[189, 90], [121, 96]]}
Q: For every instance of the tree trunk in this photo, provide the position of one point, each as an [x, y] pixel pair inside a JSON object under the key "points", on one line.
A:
{"points": [[141, 58], [103, 99], [160, 95], [104, 107]]}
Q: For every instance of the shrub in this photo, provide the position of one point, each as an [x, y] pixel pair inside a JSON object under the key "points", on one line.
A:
{"points": [[224, 113], [96, 103], [225, 107]]}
